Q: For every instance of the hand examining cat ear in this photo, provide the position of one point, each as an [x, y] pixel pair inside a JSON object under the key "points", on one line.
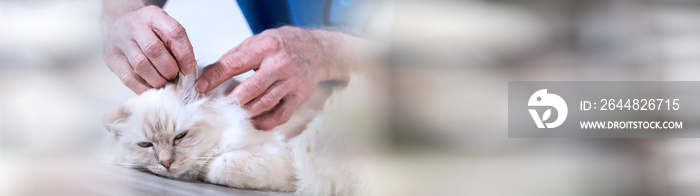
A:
{"points": [[289, 62], [146, 48]]}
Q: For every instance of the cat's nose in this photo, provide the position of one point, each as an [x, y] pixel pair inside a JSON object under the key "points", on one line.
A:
{"points": [[166, 163]]}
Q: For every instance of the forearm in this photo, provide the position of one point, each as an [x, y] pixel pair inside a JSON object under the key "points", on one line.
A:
{"points": [[113, 9]]}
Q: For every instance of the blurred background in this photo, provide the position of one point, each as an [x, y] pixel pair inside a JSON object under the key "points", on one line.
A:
{"points": [[448, 69]]}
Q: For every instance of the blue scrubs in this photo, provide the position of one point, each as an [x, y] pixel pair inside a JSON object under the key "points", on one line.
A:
{"points": [[341, 15]]}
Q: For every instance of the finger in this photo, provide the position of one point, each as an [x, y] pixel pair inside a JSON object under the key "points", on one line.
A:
{"points": [[229, 65], [245, 43], [156, 52], [142, 66], [280, 115], [175, 39], [267, 99], [119, 64], [252, 87]]}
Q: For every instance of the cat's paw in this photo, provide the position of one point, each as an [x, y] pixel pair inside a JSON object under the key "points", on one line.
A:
{"points": [[243, 169]]}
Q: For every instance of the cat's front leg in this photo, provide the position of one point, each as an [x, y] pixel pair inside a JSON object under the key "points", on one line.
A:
{"points": [[262, 167]]}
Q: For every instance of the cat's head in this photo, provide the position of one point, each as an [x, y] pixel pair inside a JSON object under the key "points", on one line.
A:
{"points": [[168, 130]]}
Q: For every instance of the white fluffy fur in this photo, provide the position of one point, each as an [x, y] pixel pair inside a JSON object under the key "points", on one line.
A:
{"points": [[222, 147]]}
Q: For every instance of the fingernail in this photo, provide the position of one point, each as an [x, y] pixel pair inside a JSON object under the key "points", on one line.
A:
{"points": [[202, 85], [189, 68]]}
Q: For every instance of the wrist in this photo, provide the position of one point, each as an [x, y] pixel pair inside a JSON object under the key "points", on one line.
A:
{"points": [[332, 63], [113, 10], [323, 72]]}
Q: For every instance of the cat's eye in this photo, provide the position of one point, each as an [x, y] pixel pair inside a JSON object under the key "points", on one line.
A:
{"points": [[181, 135], [145, 144]]}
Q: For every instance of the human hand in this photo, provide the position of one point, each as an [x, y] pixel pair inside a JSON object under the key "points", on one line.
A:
{"points": [[145, 48], [289, 62]]}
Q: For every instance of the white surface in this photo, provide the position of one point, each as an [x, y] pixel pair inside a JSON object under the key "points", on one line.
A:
{"points": [[213, 26]]}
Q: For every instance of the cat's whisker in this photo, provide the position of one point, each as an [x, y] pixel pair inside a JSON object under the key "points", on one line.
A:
{"points": [[202, 157], [198, 174], [200, 161]]}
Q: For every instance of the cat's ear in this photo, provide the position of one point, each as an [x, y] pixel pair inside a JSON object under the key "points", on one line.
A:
{"points": [[186, 86], [115, 121], [187, 80]]}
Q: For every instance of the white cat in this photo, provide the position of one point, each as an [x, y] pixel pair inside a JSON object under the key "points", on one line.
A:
{"points": [[180, 133]]}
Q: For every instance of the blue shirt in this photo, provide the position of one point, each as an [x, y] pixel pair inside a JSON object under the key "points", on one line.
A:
{"points": [[338, 14]]}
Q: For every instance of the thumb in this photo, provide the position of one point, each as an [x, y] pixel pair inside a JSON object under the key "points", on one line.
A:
{"points": [[231, 64]]}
